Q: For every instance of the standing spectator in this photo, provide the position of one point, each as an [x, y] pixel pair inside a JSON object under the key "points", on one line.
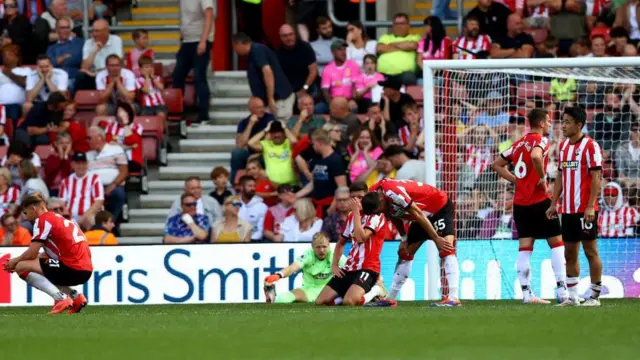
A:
{"points": [[11, 233], [42, 83], [132, 57], [298, 62], [83, 193], [44, 28], [12, 82], [58, 164], [188, 226], [126, 133], [471, 44], [31, 183], [41, 120], [359, 44], [231, 228], [276, 152], [364, 151], [394, 102], [101, 232], [196, 29], [114, 84], [616, 219], [205, 205], [253, 208], [66, 52], [322, 46], [339, 76], [492, 18], [435, 45], [367, 83], [302, 225], [16, 29], [515, 44], [627, 18], [307, 120], [266, 77], [627, 158], [398, 51], [9, 194], [567, 23], [220, 179], [277, 213], [110, 163], [333, 225], [407, 169], [94, 54], [251, 19]]}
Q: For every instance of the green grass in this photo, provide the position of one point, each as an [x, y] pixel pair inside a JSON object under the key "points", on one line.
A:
{"points": [[479, 330]]}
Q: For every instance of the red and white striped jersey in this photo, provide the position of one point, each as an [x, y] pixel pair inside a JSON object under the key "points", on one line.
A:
{"points": [[405, 136], [117, 133], [575, 164], [595, 7], [512, 5], [9, 197], [540, 11], [468, 48], [80, 193], [400, 194], [478, 158], [366, 255], [153, 97], [63, 240], [132, 57], [618, 223]]}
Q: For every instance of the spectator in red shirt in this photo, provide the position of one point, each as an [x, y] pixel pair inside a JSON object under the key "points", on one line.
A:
{"points": [[278, 212], [127, 134], [68, 125], [58, 164], [264, 188]]}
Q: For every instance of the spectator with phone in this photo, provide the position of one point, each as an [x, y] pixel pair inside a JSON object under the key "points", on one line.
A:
{"points": [[187, 227]]}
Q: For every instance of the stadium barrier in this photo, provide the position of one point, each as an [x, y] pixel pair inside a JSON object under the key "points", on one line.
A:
{"points": [[231, 273]]}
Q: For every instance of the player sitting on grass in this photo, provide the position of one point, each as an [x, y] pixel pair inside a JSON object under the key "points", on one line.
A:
{"points": [[68, 260], [315, 264]]}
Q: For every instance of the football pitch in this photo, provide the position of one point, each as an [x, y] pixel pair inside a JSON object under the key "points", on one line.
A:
{"points": [[478, 330]]}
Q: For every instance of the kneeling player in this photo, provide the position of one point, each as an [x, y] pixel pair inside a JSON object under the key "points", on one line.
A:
{"points": [[531, 201], [315, 264], [356, 284], [68, 261]]}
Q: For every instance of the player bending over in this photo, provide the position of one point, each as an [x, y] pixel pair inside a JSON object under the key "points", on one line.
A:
{"points": [[531, 201], [68, 260], [315, 264], [579, 166], [355, 284]]}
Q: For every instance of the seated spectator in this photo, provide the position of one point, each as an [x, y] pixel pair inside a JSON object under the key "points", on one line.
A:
{"points": [[264, 188], [567, 23], [495, 116], [150, 89], [58, 165], [322, 46], [619, 40], [333, 225], [435, 45], [563, 90], [367, 84], [491, 17], [82, 192], [479, 143], [598, 47], [339, 76], [516, 44], [253, 208], [94, 54], [624, 14], [375, 120], [611, 126], [407, 169], [277, 213], [101, 232], [188, 226], [31, 183], [247, 128], [410, 133], [499, 223], [109, 161], [302, 225], [16, 30], [394, 101], [359, 45], [580, 48], [9, 193], [43, 82], [114, 85], [298, 62], [340, 113], [57, 205], [276, 152], [397, 51], [68, 125], [11, 233], [42, 120], [205, 205], [472, 44], [141, 49], [630, 50], [616, 219], [17, 152], [231, 228], [548, 49], [220, 179], [66, 53], [364, 151], [12, 82], [44, 29], [627, 158], [127, 134], [468, 223], [307, 120], [382, 170]]}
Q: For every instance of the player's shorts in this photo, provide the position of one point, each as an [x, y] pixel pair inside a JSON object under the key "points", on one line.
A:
{"points": [[574, 228], [60, 274], [532, 221], [442, 221], [312, 293], [366, 279]]}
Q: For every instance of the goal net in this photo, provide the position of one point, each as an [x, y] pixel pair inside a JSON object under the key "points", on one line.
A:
{"points": [[475, 109]]}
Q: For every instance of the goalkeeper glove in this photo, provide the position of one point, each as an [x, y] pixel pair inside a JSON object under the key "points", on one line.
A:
{"points": [[273, 278]]}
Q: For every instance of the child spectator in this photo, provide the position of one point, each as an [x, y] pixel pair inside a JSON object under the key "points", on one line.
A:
{"points": [[220, 178], [132, 58], [58, 165], [68, 125], [127, 134], [366, 83], [100, 233], [150, 89], [409, 133], [364, 151], [9, 194], [547, 49]]}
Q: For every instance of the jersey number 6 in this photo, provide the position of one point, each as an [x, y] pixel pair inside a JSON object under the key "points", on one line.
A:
{"points": [[521, 168]]}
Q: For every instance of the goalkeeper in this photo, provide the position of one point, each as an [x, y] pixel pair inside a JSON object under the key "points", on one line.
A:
{"points": [[315, 264]]}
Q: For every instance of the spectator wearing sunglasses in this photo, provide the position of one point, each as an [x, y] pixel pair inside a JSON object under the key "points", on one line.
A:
{"points": [[231, 228], [187, 227]]}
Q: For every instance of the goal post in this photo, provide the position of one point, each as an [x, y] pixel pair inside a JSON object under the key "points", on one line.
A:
{"points": [[474, 108]]}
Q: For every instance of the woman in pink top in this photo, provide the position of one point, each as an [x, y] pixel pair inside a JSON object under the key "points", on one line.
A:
{"points": [[435, 45], [366, 82], [364, 151]]}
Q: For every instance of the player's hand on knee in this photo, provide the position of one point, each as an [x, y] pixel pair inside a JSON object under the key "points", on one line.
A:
{"points": [[337, 272], [272, 278], [551, 212], [443, 244]]}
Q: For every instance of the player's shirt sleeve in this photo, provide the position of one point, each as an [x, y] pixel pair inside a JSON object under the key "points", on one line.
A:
{"points": [[508, 154], [41, 229], [375, 223], [542, 143], [397, 194], [593, 156], [305, 259], [346, 230]]}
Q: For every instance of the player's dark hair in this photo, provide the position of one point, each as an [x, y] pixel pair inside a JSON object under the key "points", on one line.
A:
{"points": [[103, 216], [33, 200], [245, 178], [370, 203], [577, 114], [358, 186], [537, 117]]}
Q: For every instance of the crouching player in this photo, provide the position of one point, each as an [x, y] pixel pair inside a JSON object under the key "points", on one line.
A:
{"points": [[68, 260], [315, 264]]}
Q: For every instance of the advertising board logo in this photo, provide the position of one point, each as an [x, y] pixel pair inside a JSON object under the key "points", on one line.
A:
{"points": [[5, 281]]}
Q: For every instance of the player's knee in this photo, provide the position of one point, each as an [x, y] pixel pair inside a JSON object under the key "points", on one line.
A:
{"points": [[591, 254], [351, 301], [321, 301]]}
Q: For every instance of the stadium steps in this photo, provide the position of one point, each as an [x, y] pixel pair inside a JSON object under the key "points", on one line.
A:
{"points": [[423, 9]]}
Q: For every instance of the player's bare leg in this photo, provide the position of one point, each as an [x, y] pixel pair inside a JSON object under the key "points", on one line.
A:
{"points": [[406, 252], [31, 272], [452, 273], [558, 263], [327, 296], [571, 250], [595, 272]]}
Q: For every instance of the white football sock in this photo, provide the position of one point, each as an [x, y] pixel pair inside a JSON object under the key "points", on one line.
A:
{"points": [[403, 270], [572, 286], [41, 283], [524, 273], [375, 291], [595, 290], [558, 264], [452, 272], [337, 301], [69, 291]]}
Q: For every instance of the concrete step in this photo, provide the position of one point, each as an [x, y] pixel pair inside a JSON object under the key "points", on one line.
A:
{"points": [[152, 43], [210, 159], [158, 201], [207, 145], [142, 229], [212, 132], [156, 13], [143, 23], [231, 78], [170, 186], [148, 215], [167, 49], [227, 117], [224, 90], [228, 104], [140, 240], [184, 172], [155, 3]]}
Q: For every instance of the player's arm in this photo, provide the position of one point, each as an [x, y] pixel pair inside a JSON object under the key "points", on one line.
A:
{"points": [[30, 254], [499, 165], [399, 225], [337, 256], [537, 158], [284, 273], [359, 233], [557, 190], [422, 220], [589, 214]]}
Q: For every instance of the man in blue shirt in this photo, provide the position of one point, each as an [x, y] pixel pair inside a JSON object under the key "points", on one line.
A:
{"points": [[189, 226], [66, 54]]}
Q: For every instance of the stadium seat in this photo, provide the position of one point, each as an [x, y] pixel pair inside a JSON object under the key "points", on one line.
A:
{"points": [[173, 99], [140, 180], [86, 99], [530, 90], [416, 93], [85, 118], [44, 151], [3, 151], [189, 95], [154, 143]]}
